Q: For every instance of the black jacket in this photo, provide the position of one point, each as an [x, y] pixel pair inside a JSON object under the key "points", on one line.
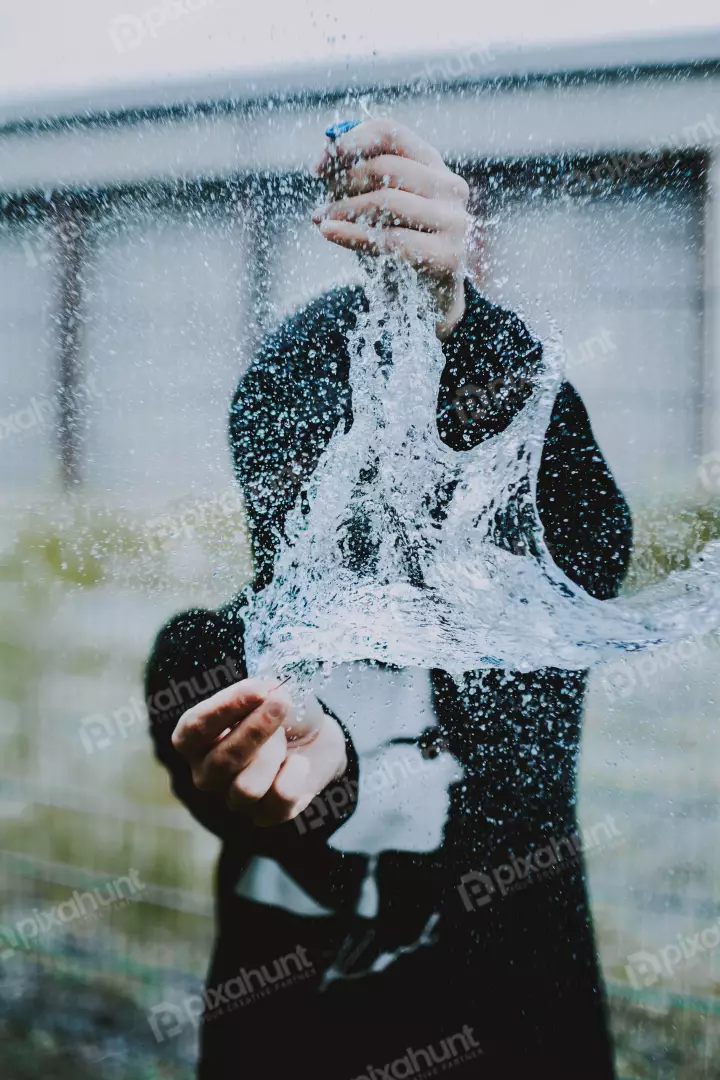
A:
{"points": [[517, 965]]}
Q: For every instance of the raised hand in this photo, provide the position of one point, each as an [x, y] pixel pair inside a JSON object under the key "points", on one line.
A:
{"points": [[391, 191]]}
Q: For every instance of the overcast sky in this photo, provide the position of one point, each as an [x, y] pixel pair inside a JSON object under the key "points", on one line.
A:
{"points": [[49, 46]]}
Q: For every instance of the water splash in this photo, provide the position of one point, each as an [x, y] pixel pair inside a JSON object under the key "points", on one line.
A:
{"points": [[369, 571]]}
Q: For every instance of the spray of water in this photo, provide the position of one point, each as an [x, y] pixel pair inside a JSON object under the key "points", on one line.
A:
{"points": [[368, 570]]}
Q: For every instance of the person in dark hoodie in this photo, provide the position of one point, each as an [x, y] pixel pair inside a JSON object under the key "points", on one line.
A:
{"points": [[383, 908]]}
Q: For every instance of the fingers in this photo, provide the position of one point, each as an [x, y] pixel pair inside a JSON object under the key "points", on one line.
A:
{"points": [[424, 251], [375, 137], [291, 792], [387, 171], [213, 769], [273, 762], [392, 206], [216, 770], [258, 776], [304, 721], [199, 727], [305, 773]]}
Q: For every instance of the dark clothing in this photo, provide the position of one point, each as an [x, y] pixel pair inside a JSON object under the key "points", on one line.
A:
{"points": [[520, 969]]}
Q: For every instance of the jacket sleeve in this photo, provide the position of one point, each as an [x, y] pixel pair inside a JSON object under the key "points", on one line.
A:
{"points": [[587, 522], [192, 658], [196, 654], [284, 411]]}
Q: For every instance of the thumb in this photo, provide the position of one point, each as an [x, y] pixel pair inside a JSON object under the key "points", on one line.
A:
{"points": [[304, 721], [307, 770]]}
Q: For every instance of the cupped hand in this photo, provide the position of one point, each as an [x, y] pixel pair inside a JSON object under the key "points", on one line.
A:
{"points": [[258, 751]]}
